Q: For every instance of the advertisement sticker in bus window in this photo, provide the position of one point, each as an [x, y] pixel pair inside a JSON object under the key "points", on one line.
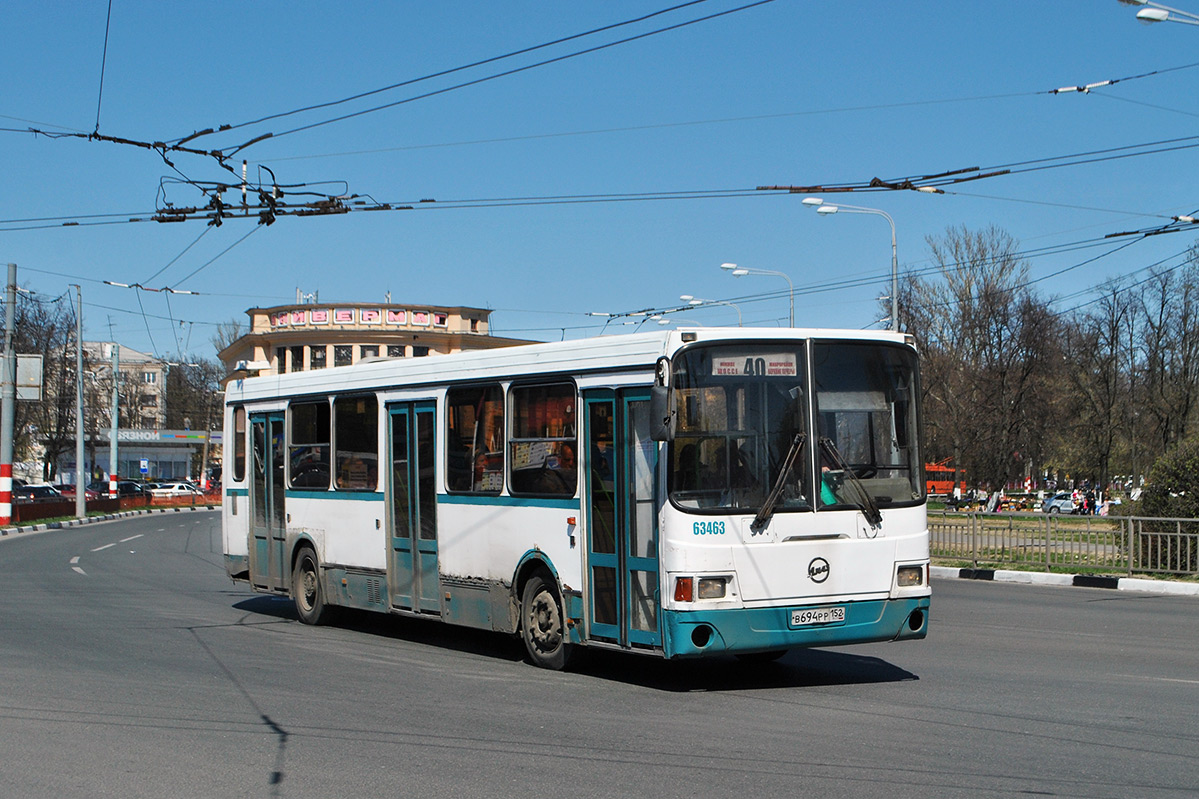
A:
{"points": [[782, 364]]}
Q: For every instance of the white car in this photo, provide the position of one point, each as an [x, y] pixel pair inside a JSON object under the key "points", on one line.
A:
{"points": [[175, 490], [1059, 503]]}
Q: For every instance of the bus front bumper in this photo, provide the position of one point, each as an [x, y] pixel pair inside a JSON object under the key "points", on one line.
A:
{"points": [[696, 633]]}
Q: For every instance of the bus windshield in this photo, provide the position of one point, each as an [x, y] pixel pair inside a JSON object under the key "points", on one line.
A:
{"points": [[741, 409], [865, 404]]}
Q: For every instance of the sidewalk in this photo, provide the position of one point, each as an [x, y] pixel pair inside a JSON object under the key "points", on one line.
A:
{"points": [[108, 517], [1076, 580]]}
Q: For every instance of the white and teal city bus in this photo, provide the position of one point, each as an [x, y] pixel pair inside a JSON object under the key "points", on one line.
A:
{"points": [[685, 494]]}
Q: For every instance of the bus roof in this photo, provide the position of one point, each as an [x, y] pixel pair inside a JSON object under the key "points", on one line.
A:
{"points": [[616, 353]]}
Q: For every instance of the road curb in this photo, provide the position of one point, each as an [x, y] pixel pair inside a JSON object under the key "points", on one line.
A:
{"points": [[108, 517], [1073, 580]]}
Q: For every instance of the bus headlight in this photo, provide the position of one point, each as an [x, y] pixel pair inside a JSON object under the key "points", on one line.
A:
{"points": [[712, 587], [907, 576]]}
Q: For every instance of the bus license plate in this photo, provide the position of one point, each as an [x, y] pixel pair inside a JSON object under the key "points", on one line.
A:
{"points": [[808, 616]]}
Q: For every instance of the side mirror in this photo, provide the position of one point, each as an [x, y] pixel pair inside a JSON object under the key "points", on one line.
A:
{"points": [[661, 406]]}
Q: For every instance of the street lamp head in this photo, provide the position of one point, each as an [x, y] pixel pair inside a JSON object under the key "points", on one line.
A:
{"points": [[695, 301], [686, 297], [1148, 16], [813, 201], [729, 267], [740, 272], [825, 210]]}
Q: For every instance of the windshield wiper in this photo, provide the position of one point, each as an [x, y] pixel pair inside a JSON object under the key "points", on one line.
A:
{"points": [[869, 508], [763, 516]]}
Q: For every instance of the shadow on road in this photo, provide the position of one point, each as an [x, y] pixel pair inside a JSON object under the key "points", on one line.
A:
{"points": [[799, 668]]}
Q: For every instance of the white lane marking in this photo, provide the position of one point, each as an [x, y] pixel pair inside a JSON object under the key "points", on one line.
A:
{"points": [[74, 560], [106, 546], [77, 569], [130, 538]]}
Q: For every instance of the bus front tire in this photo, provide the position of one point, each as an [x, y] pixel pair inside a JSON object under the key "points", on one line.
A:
{"points": [[542, 624], [306, 589]]}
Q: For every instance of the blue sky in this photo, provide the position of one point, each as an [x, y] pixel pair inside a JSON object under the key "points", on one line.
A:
{"points": [[785, 93]]}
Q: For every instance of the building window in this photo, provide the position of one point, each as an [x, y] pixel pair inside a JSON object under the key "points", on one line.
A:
{"points": [[368, 351], [297, 359], [356, 422], [149, 378], [343, 354], [308, 445], [474, 325], [319, 356], [395, 350], [281, 359], [543, 442], [475, 439], [419, 352]]}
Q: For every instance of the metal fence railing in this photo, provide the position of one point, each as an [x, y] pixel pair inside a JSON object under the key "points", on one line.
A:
{"points": [[1053, 542]]}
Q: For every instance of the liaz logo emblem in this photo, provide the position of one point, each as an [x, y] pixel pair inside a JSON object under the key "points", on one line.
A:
{"points": [[818, 570]]}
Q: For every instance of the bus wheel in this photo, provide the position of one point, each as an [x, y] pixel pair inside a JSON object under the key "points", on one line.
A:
{"points": [[542, 626], [306, 589]]}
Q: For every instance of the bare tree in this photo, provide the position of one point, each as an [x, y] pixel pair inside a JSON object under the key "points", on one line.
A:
{"points": [[227, 333], [1095, 395], [1169, 380], [987, 343]]}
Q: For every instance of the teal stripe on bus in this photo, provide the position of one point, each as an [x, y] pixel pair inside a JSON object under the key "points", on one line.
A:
{"points": [[237, 492], [508, 502]]}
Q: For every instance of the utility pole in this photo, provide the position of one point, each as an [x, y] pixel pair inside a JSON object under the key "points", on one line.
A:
{"points": [[115, 420], [8, 397], [80, 485]]}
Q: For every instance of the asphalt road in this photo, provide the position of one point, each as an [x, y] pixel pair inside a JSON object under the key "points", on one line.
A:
{"points": [[130, 666]]}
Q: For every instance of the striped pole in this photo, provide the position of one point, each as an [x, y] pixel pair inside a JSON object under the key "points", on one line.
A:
{"points": [[115, 414], [8, 398], [5, 494]]}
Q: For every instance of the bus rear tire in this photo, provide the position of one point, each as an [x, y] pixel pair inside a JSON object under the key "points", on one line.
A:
{"points": [[542, 624], [306, 588]]}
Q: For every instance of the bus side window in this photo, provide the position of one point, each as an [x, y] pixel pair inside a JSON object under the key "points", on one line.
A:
{"points": [[356, 423], [544, 443], [475, 439], [308, 445], [239, 444]]}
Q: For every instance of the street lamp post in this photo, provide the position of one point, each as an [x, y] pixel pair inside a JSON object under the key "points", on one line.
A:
{"points": [[697, 302], [827, 210], [739, 271], [1156, 12]]}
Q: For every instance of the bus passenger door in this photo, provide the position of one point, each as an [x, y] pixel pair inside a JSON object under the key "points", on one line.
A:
{"points": [[622, 535], [412, 508], [268, 526]]}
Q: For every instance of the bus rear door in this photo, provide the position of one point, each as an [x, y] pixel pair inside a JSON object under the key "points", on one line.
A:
{"points": [[268, 529], [412, 503], [622, 536]]}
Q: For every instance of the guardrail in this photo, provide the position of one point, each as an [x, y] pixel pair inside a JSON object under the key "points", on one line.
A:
{"points": [[1113, 544]]}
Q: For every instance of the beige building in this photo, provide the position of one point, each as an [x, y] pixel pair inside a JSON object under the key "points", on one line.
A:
{"points": [[143, 390], [293, 338]]}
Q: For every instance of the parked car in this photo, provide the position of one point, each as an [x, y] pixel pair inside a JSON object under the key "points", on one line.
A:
{"points": [[125, 488], [34, 493], [176, 490], [1060, 503], [68, 490]]}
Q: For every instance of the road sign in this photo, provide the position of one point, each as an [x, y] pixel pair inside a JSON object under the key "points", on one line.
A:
{"points": [[145, 465]]}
